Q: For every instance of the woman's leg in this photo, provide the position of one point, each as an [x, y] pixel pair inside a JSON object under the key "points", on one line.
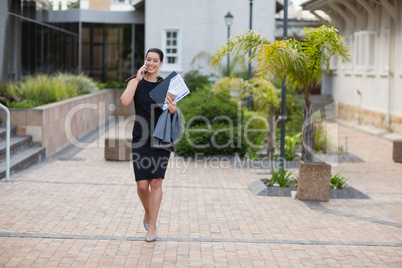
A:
{"points": [[154, 205], [144, 193]]}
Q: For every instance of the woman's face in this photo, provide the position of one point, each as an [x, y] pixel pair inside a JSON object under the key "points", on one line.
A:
{"points": [[153, 62]]}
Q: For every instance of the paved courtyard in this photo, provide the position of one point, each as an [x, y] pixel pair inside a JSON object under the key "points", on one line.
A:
{"points": [[80, 210]]}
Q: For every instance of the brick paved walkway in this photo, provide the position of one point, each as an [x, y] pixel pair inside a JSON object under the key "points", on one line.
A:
{"points": [[84, 211]]}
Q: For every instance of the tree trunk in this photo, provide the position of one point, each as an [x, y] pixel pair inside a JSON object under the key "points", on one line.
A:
{"points": [[308, 130], [271, 132]]}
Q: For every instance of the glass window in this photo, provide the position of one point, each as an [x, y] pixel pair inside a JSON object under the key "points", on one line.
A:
{"points": [[364, 50], [171, 60], [171, 46]]}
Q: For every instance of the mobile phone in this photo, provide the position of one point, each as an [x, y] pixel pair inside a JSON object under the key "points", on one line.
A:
{"points": [[145, 71]]}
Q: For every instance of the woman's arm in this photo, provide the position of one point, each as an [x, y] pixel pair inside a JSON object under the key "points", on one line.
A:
{"points": [[129, 93]]}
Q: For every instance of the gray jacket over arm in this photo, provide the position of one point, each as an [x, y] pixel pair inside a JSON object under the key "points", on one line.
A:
{"points": [[167, 131]]}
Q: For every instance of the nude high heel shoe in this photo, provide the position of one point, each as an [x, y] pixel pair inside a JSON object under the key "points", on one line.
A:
{"points": [[151, 239]]}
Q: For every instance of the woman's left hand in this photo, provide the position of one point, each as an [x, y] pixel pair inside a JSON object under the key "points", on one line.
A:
{"points": [[171, 105]]}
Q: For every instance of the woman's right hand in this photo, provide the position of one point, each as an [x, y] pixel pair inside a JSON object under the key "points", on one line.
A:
{"points": [[141, 72]]}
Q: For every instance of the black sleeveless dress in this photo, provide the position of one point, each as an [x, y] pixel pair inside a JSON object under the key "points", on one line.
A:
{"points": [[148, 162]]}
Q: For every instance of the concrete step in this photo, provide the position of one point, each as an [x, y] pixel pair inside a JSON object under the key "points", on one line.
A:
{"points": [[23, 159], [17, 143], [3, 134]]}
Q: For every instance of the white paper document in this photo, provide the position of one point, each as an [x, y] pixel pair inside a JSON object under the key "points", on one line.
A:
{"points": [[178, 85]]}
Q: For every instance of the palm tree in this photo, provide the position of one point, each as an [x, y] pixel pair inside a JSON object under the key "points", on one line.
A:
{"points": [[301, 62]]}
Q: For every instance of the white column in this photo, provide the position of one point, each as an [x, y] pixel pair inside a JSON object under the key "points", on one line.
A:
{"points": [[84, 4], [63, 4], [56, 4]]}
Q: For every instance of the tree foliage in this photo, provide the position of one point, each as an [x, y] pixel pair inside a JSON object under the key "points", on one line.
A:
{"points": [[301, 62]]}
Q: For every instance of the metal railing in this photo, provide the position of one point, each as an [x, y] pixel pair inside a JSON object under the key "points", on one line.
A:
{"points": [[7, 141]]}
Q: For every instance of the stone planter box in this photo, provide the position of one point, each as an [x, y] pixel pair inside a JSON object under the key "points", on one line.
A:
{"points": [[118, 138], [58, 125], [347, 193], [118, 142], [121, 110], [397, 151], [259, 188], [314, 181]]}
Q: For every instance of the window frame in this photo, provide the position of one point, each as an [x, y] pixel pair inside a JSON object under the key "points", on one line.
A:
{"points": [[177, 65], [363, 48]]}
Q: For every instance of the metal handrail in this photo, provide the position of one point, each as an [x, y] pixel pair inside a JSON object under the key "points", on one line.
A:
{"points": [[7, 141]]}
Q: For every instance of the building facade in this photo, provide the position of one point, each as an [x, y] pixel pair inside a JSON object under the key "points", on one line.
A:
{"points": [[187, 28], [36, 37], [107, 39], [369, 88]]}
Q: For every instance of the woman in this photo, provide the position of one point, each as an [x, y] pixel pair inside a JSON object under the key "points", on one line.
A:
{"points": [[149, 163]]}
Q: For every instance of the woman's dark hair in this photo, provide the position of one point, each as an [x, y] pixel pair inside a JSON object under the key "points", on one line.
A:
{"points": [[155, 50]]}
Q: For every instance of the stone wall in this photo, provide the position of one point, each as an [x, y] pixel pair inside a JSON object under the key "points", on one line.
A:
{"points": [[369, 117], [57, 125], [396, 124], [120, 109]]}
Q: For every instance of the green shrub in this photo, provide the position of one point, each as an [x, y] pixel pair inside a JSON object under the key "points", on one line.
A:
{"points": [[321, 141], [3, 88], [294, 113], [111, 85], [209, 105], [26, 104], [196, 81], [41, 89], [85, 84], [338, 182], [282, 178], [291, 144], [257, 126], [207, 141], [211, 117]]}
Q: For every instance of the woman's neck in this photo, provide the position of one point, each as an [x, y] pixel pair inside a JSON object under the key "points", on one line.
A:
{"points": [[151, 77]]}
